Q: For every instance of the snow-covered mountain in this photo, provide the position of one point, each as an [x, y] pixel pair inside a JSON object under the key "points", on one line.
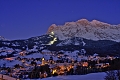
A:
{"points": [[73, 41], [94, 30], [93, 37], [2, 38], [52, 43]]}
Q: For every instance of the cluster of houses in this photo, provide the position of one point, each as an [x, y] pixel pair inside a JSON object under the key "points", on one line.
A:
{"points": [[60, 63]]}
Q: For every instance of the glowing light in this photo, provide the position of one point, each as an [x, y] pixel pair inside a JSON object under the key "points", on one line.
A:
{"points": [[9, 58], [52, 42], [52, 33], [85, 64], [54, 71], [43, 59], [55, 39]]}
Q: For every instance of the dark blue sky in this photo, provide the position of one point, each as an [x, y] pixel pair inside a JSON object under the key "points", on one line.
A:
{"points": [[20, 19]]}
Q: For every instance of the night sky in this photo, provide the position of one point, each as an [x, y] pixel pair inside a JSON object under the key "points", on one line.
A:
{"points": [[22, 19]]}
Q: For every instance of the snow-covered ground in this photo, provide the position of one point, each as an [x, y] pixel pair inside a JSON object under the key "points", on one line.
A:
{"points": [[9, 63], [92, 76]]}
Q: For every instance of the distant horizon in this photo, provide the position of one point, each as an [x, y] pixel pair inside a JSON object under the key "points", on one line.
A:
{"points": [[24, 19]]}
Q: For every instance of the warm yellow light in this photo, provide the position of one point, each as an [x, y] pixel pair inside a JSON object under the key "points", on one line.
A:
{"points": [[55, 39], [52, 42], [43, 59], [52, 33], [54, 71], [9, 58]]}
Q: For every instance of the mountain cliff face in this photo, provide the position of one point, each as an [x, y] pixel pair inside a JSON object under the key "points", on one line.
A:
{"points": [[94, 30]]}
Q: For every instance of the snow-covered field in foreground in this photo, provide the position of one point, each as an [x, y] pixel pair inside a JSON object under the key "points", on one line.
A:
{"points": [[92, 76]]}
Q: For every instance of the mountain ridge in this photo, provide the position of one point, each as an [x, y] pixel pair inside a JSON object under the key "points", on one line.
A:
{"points": [[94, 30], [70, 41]]}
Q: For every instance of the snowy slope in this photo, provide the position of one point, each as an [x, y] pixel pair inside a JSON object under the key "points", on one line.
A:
{"points": [[92, 76], [9, 63], [94, 30], [72, 41]]}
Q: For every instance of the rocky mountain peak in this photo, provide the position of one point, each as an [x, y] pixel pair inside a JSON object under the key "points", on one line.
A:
{"points": [[83, 22], [94, 30], [51, 28], [98, 23]]}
